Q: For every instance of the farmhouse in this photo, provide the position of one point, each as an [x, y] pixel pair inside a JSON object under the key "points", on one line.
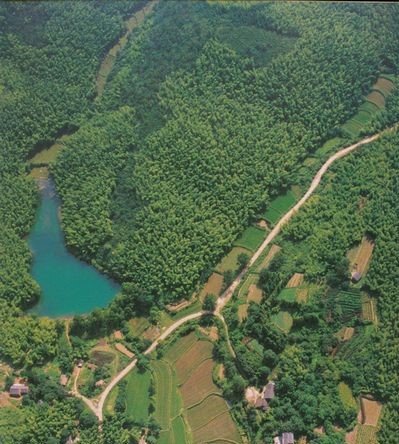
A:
{"points": [[268, 390], [16, 390]]}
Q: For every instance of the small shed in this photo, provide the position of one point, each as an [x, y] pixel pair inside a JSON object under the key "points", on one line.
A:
{"points": [[356, 276], [268, 390], [100, 383], [64, 380], [118, 334], [276, 440], [287, 438], [261, 403]]}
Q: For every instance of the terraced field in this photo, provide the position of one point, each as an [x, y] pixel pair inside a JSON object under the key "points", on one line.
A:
{"points": [[188, 405]]}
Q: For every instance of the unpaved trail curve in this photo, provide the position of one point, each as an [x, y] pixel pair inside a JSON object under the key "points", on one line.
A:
{"points": [[226, 296]]}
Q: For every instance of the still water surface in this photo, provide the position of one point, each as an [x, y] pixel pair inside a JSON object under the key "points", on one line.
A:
{"points": [[69, 286]]}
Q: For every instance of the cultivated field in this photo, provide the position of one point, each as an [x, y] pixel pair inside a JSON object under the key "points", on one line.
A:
{"points": [[254, 294], [369, 310], [279, 206], [283, 320], [213, 286], [295, 280], [192, 359], [345, 393], [188, 405], [366, 434], [371, 411], [199, 384], [360, 256], [229, 262], [268, 258], [137, 398], [251, 238], [377, 98], [243, 311]]}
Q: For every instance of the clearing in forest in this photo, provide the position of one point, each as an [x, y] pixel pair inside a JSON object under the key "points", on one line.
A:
{"points": [[251, 238], [254, 294], [371, 411], [213, 285], [295, 280], [345, 393], [369, 309], [377, 98], [283, 320], [279, 206], [243, 312], [360, 256], [230, 262]]}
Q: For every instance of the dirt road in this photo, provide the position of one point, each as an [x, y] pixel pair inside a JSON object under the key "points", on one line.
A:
{"points": [[226, 296]]}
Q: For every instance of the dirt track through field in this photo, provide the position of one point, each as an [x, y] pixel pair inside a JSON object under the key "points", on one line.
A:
{"points": [[97, 408]]}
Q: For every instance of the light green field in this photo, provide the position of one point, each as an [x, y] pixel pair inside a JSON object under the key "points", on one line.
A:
{"points": [[287, 295], [179, 430], [279, 206], [345, 393], [251, 238], [283, 320], [167, 399], [229, 262], [137, 399], [330, 145]]}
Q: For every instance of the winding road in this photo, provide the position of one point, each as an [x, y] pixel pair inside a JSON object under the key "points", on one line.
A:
{"points": [[97, 406]]}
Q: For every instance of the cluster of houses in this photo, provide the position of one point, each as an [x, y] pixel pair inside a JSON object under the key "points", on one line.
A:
{"points": [[260, 400], [18, 389]]}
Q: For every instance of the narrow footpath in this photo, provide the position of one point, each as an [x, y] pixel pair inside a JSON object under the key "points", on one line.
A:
{"points": [[97, 407]]}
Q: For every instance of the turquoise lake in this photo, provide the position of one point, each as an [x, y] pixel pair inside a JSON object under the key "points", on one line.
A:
{"points": [[69, 286]]}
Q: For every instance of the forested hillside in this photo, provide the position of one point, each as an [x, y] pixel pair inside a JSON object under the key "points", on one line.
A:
{"points": [[223, 134], [211, 111]]}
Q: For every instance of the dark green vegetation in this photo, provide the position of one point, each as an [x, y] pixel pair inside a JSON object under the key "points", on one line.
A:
{"points": [[310, 360], [201, 126]]}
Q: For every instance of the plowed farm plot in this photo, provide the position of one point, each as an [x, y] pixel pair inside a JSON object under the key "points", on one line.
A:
{"points": [[211, 407], [191, 360], [221, 428], [181, 346], [213, 286], [199, 384]]}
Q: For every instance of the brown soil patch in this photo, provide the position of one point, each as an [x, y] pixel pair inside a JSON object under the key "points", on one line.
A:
{"points": [[371, 411], [377, 98], [270, 255], [350, 437], [102, 342], [295, 280], [243, 312], [211, 332], [302, 440], [213, 286], [199, 384], [118, 334], [4, 399], [124, 350], [254, 294], [348, 333], [221, 372]]}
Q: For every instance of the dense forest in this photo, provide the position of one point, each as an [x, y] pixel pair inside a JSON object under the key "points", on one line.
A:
{"points": [[232, 135], [208, 114]]}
